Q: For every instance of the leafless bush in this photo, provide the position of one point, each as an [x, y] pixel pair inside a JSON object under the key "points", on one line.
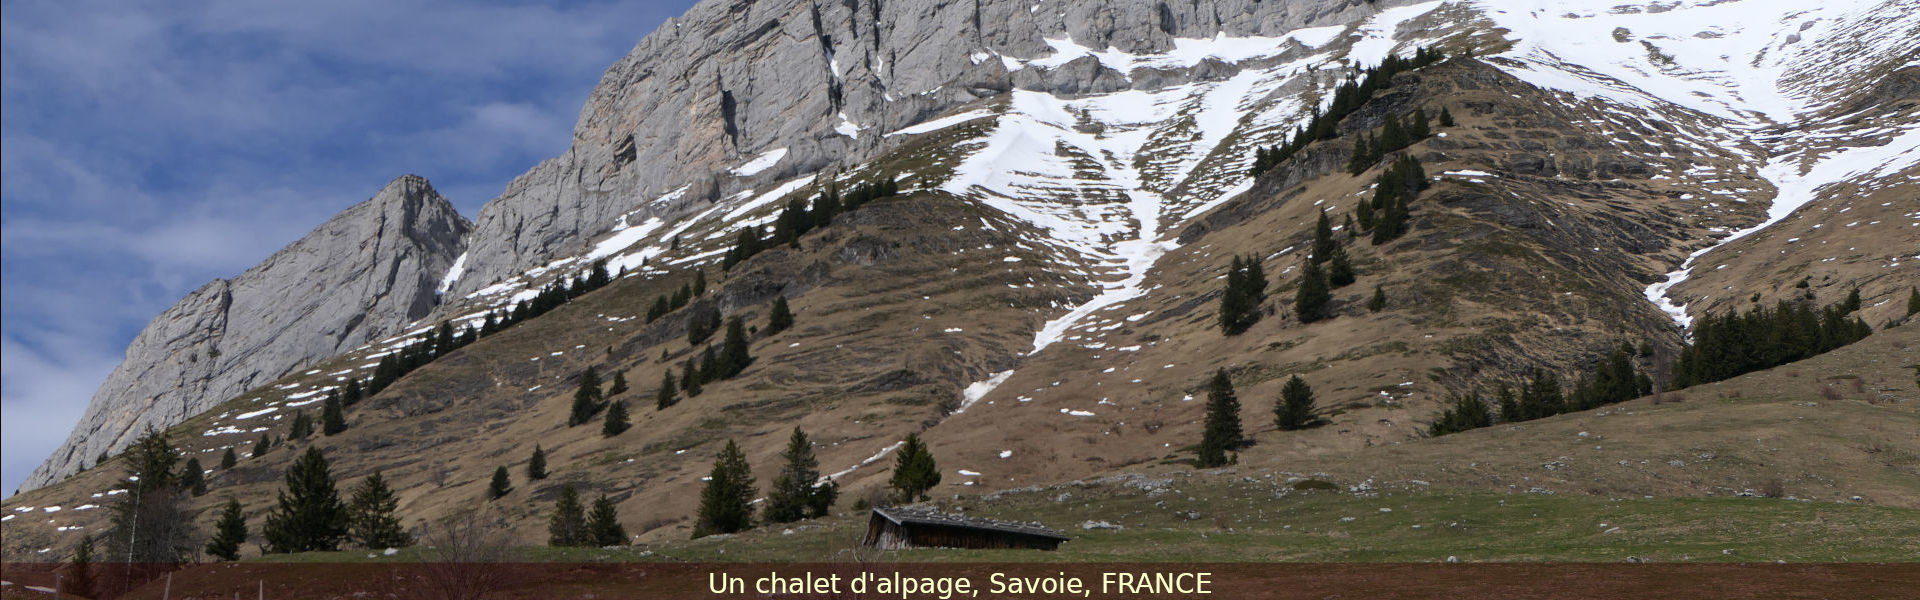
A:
{"points": [[1773, 488], [1828, 392], [1859, 385], [462, 554]]}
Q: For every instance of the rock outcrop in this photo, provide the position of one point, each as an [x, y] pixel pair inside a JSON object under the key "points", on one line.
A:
{"points": [[363, 275], [826, 81]]}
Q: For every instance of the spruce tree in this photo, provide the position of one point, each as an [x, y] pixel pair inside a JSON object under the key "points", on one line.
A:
{"points": [[691, 379], [1357, 163], [699, 282], [80, 572], [193, 478], [151, 522], [779, 317], [734, 353], [1379, 301], [603, 524], [1235, 302], [1468, 412], [914, 471], [568, 525], [1296, 406], [1364, 212], [1340, 269], [619, 384], [354, 395], [537, 464], [501, 484], [616, 421], [586, 399], [794, 495], [228, 460], [1510, 411], [1222, 431], [370, 521], [310, 515], [262, 446], [1913, 301], [333, 418], [726, 501], [1348, 227], [1323, 243], [302, 426], [1420, 129], [1446, 117], [1311, 300], [665, 397]]}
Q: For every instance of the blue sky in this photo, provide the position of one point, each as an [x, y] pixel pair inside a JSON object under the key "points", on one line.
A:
{"points": [[148, 147]]}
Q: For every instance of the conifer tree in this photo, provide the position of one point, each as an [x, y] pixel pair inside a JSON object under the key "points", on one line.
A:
{"points": [[1256, 279], [228, 460], [151, 522], [537, 464], [371, 523], [726, 501], [229, 532], [353, 395], [586, 399], [1468, 412], [1510, 411], [501, 484], [603, 524], [794, 495], [779, 317], [1913, 301], [193, 478], [616, 421], [79, 580], [1347, 226], [699, 282], [1364, 212], [1296, 406], [660, 309], [692, 379], [1420, 129], [1339, 269], [734, 353], [1222, 431], [914, 471], [665, 397], [1852, 302], [568, 525], [333, 418], [262, 446], [619, 384], [1358, 164], [1311, 300], [302, 426], [1379, 301], [310, 515], [1446, 118], [1542, 397], [1323, 243]]}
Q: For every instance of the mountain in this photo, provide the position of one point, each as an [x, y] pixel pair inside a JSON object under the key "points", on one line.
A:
{"points": [[1040, 302], [361, 276]]}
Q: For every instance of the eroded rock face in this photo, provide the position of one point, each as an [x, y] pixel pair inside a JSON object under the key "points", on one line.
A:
{"points": [[363, 275], [730, 80]]}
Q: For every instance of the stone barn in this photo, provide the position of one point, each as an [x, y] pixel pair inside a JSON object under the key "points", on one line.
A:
{"points": [[898, 528]]}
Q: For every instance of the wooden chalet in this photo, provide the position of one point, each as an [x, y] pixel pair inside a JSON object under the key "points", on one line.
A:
{"points": [[898, 528]]}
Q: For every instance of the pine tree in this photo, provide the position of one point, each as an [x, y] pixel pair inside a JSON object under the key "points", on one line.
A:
{"points": [[1315, 293], [1853, 301], [779, 317], [586, 399], [310, 515], [1364, 212], [1542, 397], [333, 418], [370, 520], [1358, 164], [726, 501], [1340, 269], [193, 478], [1295, 409], [619, 384], [603, 524], [1222, 430], [700, 281], [1420, 129], [80, 572], [734, 353], [794, 495], [1235, 303], [616, 421], [302, 426], [914, 471], [1379, 301], [1913, 301], [353, 395], [151, 522], [501, 484], [1510, 411], [1347, 226], [228, 460], [537, 464], [262, 446], [1446, 118], [1323, 243], [568, 525], [1468, 412], [691, 379], [665, 397]]}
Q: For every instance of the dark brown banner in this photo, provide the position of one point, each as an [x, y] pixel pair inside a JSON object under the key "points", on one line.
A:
{"points": [[947, 581]]}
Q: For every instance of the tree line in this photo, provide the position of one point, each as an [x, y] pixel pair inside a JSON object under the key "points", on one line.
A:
{"points": [[1348, 97]]}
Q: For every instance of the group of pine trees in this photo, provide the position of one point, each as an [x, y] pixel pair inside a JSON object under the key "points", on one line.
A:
{"points": [[1246, 290], [1394, 136], [1385, 212], [1221, 434], [1726, 345], [799, 492], [796, 219], [1613, 380], [572, 525], [729, 360], [1347, 98], [664, 304]]}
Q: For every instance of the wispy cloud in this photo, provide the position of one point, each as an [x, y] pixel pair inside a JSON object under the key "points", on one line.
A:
{"points": [[149, 147]]}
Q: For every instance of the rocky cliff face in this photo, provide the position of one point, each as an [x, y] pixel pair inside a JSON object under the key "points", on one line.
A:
{"points": [[821, 83], [361, 276]]}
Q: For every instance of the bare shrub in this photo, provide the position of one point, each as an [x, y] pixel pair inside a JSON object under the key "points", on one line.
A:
{"points": [[1828, 392], [1773, 488], [1859, 385], [461, 556]]}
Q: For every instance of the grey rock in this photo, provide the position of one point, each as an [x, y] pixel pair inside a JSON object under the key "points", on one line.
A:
{"points": [[361, 276]]}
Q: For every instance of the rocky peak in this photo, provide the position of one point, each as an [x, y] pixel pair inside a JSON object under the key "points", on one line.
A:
{"points": [[363, 275]]}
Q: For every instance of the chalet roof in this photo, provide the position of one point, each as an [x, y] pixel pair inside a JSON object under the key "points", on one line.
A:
{"points": [[917, 516]]}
